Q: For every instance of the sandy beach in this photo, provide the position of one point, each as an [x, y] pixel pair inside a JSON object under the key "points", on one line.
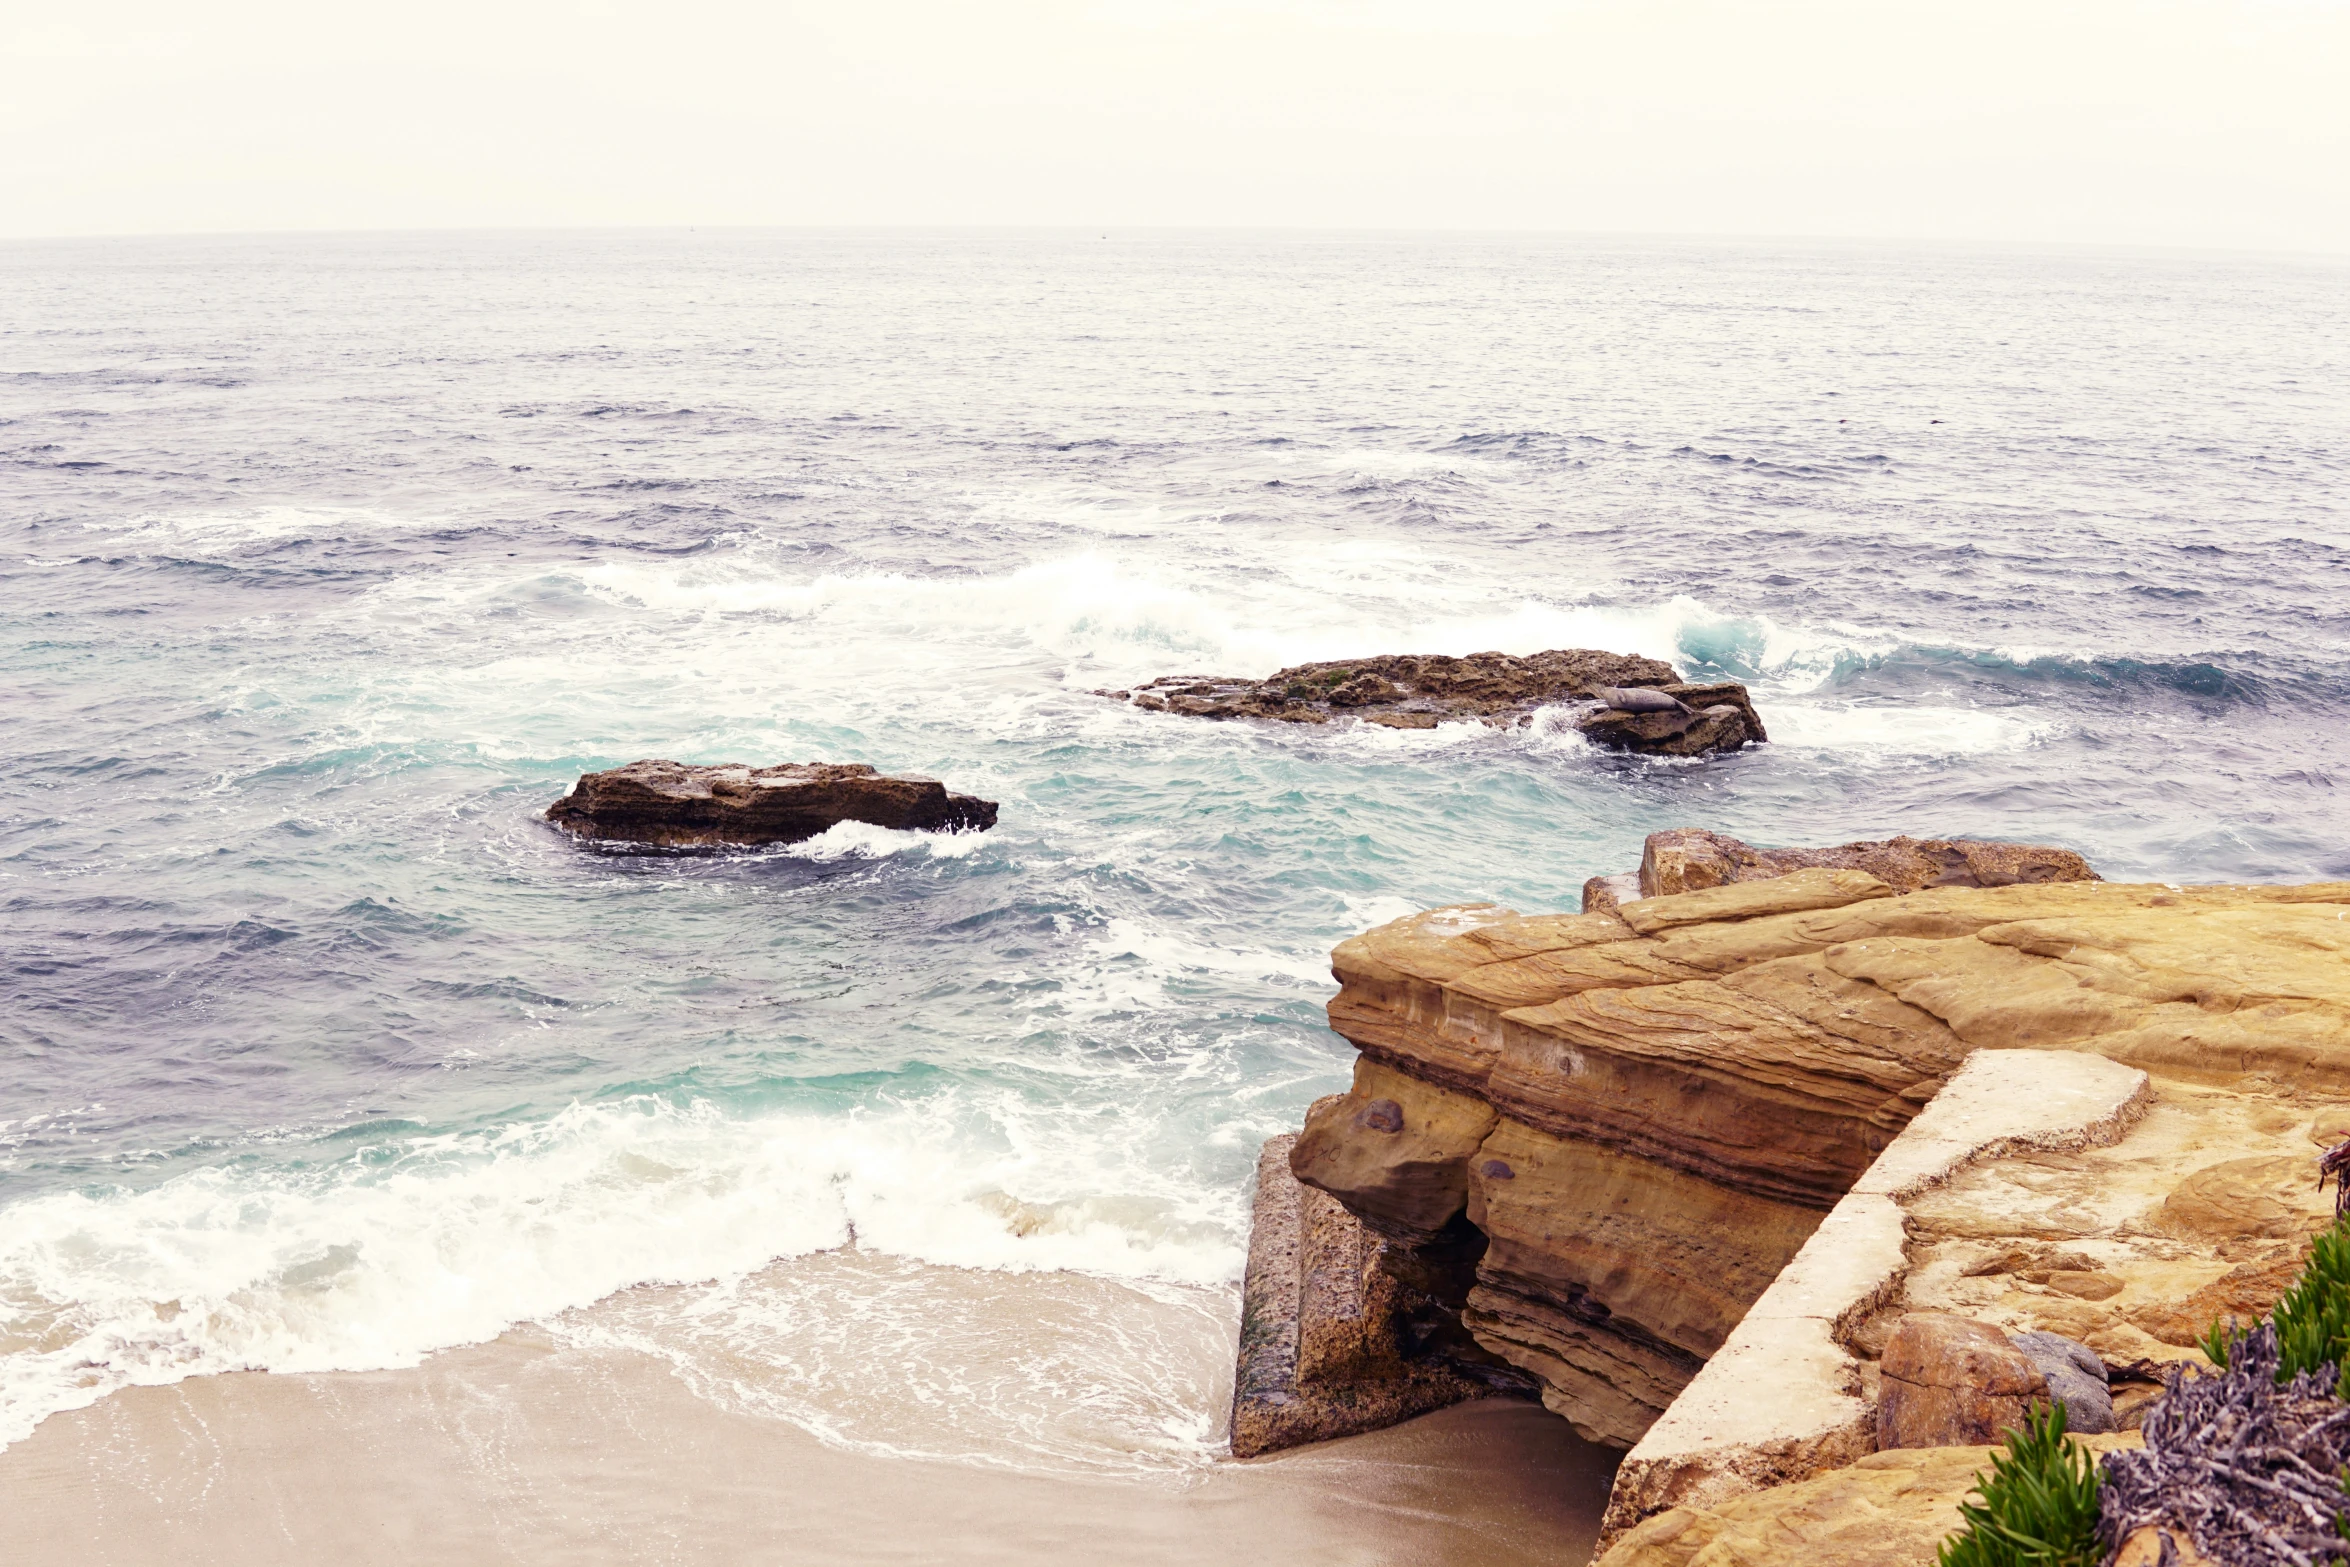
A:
{"points": [[524, 1450]]}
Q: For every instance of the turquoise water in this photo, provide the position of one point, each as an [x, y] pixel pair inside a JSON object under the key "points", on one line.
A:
{"points": [[330, 562]]}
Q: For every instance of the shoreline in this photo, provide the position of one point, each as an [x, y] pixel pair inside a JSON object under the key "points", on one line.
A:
{"points": [[529, 1450]]}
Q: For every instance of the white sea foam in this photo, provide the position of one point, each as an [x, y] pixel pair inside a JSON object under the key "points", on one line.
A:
{"points": [[428, 1242], [864, 841], [1160, 956], [1867, 730], [204, 532], [1076, 1373], [1115, 622]]}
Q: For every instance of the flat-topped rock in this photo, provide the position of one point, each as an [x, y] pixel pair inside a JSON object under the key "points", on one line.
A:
{"points": [[1621, 701], [681, 805]]}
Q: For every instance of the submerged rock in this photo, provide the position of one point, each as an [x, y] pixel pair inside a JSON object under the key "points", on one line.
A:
{"points": [[1622, 701], [679, 805]]}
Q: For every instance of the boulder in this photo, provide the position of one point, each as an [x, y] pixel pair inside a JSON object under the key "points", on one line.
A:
{"points": [[1952, 1382], [1399, 1148], [2075, 1376], [1702, 718], [1664, 716], [679, 805]]}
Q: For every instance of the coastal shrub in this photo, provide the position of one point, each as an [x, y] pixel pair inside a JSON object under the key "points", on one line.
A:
{"points": [[2244, 1463], [2313, 1319], [2038, 1508]]}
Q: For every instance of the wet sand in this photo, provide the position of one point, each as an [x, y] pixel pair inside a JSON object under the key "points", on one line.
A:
{"points": [[527, 1450]]}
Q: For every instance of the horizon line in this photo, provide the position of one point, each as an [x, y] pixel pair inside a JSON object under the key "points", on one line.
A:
{"points": [[1168, 230]]}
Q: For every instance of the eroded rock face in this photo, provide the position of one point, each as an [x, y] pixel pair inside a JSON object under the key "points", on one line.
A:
{"points": [[1662, 715], [1682, 1086], [1331, 1343], [677, 805]]}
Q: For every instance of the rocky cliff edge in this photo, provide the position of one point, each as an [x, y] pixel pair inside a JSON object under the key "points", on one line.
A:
{"points": [[1609, 1132]]}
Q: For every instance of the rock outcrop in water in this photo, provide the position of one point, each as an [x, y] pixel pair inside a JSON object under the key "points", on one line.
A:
{"points": [[678, 805], [1624, 702]]}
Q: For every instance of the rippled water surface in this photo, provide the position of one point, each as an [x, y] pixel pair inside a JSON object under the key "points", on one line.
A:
{"points": [[329, 562]]}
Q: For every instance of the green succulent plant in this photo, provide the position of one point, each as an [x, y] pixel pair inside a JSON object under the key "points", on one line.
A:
{"points": [[2038, 1508]]}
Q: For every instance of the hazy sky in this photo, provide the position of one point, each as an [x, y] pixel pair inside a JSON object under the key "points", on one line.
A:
{"points": [[2203, 122]]}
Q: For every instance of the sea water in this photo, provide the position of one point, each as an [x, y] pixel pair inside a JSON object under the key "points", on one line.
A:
{"points": [[327, 563]]}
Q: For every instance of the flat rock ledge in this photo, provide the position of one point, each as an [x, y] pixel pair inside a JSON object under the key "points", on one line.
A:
{"points": [[681, 805], [1619, 700], [1331, 1344]]}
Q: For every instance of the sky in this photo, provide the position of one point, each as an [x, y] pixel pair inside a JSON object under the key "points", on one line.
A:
{"points": [[2202, 123]]}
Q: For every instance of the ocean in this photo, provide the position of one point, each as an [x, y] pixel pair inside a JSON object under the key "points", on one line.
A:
{"points": [[328, 562]]}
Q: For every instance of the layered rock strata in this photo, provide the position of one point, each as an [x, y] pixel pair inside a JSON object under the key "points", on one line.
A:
{"points": [[1680, 1089], [1619, 700], [1331, 1343], [677, 805]]}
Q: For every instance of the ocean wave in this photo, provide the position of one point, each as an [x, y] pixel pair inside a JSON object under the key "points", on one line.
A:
{"points": [[210, 535], [1111, 623], [2213, 679], [401, 1244], [840, 842]]}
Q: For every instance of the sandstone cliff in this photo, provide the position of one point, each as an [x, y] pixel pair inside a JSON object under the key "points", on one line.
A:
{"points": [[1611, 1131]]}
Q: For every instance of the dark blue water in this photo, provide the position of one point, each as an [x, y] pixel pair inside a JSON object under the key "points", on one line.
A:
{"points": [[329, 562]]}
